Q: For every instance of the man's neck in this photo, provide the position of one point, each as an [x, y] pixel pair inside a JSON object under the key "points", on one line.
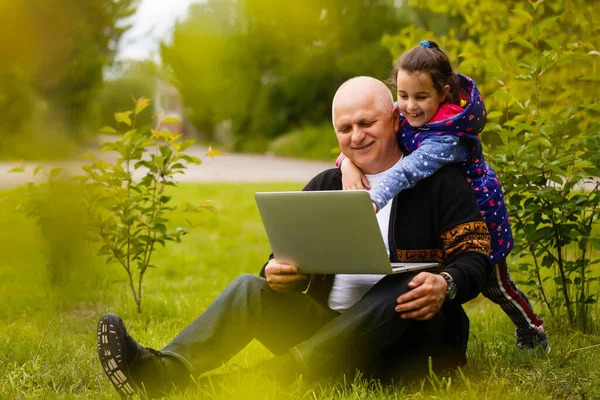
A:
{"points": [[387, 165]]}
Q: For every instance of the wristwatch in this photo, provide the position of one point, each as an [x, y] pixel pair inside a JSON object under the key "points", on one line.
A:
{"points": [[452, 289]]}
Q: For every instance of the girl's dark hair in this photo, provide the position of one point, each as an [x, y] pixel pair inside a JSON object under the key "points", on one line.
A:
{"points": [[433, 61]]}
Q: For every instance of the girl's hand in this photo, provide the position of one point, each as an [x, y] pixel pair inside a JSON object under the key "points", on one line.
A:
{"points": [[352, 176]]}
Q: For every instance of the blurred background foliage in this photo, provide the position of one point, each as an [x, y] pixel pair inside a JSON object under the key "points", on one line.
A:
{"points": [[250, 72], [270, 69], [53, 57]]}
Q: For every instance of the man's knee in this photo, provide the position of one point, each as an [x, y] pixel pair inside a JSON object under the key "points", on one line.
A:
{"points": [[249, 283], [388, 289]]}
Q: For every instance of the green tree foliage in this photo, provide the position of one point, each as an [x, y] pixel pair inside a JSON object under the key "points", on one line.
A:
{"points": [[487, 40], [537, 66], [53, 54], [131, 80], [269, 69]]}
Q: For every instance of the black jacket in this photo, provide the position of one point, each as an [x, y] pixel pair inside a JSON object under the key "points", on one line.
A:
{"points": [[436, 220]]}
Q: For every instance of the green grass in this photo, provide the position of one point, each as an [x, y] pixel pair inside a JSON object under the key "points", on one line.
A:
{"points": [[47, 335]]}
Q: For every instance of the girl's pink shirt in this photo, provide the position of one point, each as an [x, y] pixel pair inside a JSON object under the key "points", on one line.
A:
{"points": [[446, 110]]}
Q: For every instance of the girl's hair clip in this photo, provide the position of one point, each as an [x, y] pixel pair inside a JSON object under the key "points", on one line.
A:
{"points": [[425, 43]]}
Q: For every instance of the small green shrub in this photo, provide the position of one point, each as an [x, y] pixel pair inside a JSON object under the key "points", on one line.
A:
{"points": [[544, 161], [120, 207], [129, 215]]}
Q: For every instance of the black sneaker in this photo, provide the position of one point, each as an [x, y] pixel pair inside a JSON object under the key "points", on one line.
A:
{"points": [[130, 367], [533, 340]]}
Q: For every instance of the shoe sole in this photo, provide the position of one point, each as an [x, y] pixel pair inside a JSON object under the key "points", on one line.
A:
{"points": [[110, 353]]}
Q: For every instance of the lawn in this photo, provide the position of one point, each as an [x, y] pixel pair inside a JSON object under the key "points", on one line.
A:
{"points": [[48, 338]]}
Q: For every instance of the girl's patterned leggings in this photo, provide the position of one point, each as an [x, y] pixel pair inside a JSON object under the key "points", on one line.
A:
{"points": [[502, 290]]}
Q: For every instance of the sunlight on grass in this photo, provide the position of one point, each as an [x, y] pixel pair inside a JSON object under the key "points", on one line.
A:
{"points": [[47, 335]]}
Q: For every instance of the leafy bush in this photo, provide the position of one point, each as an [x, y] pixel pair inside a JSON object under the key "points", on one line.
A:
{"points": [[69, 270], [537, 68]]}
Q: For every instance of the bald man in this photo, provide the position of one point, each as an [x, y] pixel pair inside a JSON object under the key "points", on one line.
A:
{"points": [[387, 326]]}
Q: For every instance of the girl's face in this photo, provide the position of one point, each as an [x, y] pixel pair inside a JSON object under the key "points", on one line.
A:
{"points": [[418, 99]]}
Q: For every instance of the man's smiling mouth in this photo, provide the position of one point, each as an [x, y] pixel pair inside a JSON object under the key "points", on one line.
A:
{"points": [[362, 147]]}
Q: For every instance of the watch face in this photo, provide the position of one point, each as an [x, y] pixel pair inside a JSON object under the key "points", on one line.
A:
{"points": [[451, 291]]}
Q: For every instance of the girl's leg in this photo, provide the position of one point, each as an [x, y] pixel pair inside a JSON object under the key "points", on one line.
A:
{"points": [[502, 290]]}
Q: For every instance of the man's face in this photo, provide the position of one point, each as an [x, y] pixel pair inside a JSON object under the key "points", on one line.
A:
{"points": [[418, 99], [366, 132]]}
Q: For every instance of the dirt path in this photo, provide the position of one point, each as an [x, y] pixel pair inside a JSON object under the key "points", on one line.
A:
{"points": [[228, 168]]}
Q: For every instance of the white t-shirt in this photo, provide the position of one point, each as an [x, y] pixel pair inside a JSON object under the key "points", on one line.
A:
{"points": [[350, 288]]}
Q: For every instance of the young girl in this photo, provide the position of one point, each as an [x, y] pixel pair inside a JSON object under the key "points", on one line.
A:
{"points": [[442, 114]]}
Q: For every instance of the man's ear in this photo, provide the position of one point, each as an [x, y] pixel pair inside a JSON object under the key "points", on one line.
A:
{"points": [[396, 117], [446, 93]]}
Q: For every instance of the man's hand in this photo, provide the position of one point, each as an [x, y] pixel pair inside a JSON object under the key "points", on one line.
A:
{"points": [[283, 277], [425, 298]]}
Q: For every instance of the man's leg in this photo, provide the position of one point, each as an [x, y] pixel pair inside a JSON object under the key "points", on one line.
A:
{"points": [[247, 309], [357, 336], [441, 339]]}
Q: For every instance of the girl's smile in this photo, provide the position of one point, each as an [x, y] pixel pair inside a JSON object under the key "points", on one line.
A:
{"points": [[418, 99]]}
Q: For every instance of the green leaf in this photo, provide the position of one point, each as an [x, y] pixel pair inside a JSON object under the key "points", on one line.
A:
{"points": [[536, 4], [548, 22], [522, 13], [213, 152], [123, 117], [494, 127], [186, 144], [160, 228], [524, 43], [141, 104], [165, 135], [110, 146], [170, 120], [494, 114], [129, 135], [158, 160], [107, 129], [17, 169]]}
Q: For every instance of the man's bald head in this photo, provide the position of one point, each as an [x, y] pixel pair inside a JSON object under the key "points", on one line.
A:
{"points": [[360, 87], [366, 122]]}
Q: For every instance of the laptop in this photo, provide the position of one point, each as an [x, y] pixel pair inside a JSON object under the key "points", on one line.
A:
{"points": [[327, 232]]}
